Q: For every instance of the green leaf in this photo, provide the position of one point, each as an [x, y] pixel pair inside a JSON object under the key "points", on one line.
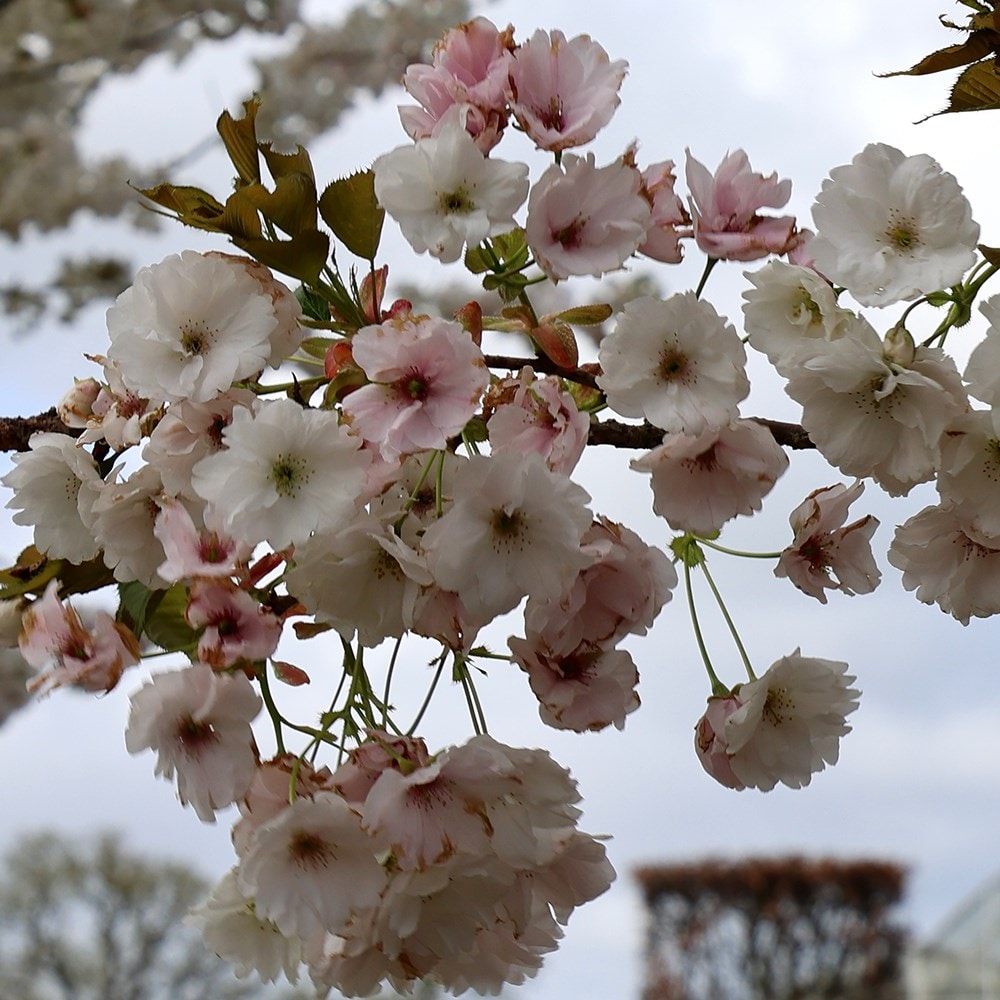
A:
{"points": [[167, 627], [314, 306], [135, 602], [349, 207], [512, 249], [316, 347], [477, 260], [302, 257]]}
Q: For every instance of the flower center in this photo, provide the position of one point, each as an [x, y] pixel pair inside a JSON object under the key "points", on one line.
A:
{"points": [[805, 309], [195, 340], [456, 202], [308, 850], [674, 366], [902, 234], [288, 474], [778, 707], [508, 530], [192, 736], [552, 117], [570, 236]]}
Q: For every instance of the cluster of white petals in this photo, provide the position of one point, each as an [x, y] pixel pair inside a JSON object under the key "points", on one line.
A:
{"points": [[406, 481]]}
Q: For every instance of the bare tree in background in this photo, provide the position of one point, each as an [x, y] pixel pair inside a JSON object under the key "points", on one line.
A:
{"points": [[56, 54], [88, 920], [778, 929]]}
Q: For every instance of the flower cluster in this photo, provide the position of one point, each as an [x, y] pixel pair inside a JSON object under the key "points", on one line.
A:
{"points": [[403, 481]]}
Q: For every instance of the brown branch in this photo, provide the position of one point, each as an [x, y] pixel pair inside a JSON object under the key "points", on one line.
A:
{"points": [[645, 437], [542, 364], [15, 431]]}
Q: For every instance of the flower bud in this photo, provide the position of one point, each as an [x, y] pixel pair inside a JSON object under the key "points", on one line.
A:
{"points": [[898, 347], [710, 741], [77, 406]]}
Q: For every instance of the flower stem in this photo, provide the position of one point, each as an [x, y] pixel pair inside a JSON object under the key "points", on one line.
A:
{"points": [[430, 693], [737, 552], [729, 622], [718, 688]]}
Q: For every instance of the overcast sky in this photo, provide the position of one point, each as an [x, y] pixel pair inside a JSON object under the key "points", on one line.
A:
{"points": [[918, 780]]}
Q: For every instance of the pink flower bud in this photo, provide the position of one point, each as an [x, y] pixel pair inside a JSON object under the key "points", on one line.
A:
{"points": [[710, 741]]}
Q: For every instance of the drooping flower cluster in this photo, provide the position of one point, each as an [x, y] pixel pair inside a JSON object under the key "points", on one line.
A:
{"points": [[405, 481]]}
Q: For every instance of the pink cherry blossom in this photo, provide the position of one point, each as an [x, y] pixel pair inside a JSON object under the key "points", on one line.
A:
{"points": [[700, 482], [356, 776], [470, 67], [236, 628], [825, 554], [724, 207], [564, 92], [66, 652], [198, 722], [619, 593], [710, 740], [587, 689], [426, 377], [192, 553], [585, 219], [948, 563], [536, 414], [969, 470], [671, 222], [274, 781]]}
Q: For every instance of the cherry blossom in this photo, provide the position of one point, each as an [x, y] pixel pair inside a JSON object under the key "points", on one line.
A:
{"points": [[871, 415], [701, 481], [825, 554], [445, 193], [47, 481], [198, 722], [64, 651], [285, 472], [891, 226], [789, 722], [470, 68], [190, 327], [724, 208], [235, 628], [535, 414], [513, 530], [676, 362], [671, 221], [426, 377], [947, 562], [563, 91], [585, 219], [787, 308]]}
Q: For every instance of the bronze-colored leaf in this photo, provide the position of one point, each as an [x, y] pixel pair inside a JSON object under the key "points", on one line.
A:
{"points": [[978, 45], [977, 89], [240, 138], [291, 206], [349, 207], [284, 164], [302, 257], [189, 205], [992, 254], [240, 219], [586, 315], [33, 571]]}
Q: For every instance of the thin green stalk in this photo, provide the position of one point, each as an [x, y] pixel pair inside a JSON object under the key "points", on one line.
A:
{"points": [[430, 692], [272, 708], [737, 552], [388, 682], [729, 622], [718, 688]]}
